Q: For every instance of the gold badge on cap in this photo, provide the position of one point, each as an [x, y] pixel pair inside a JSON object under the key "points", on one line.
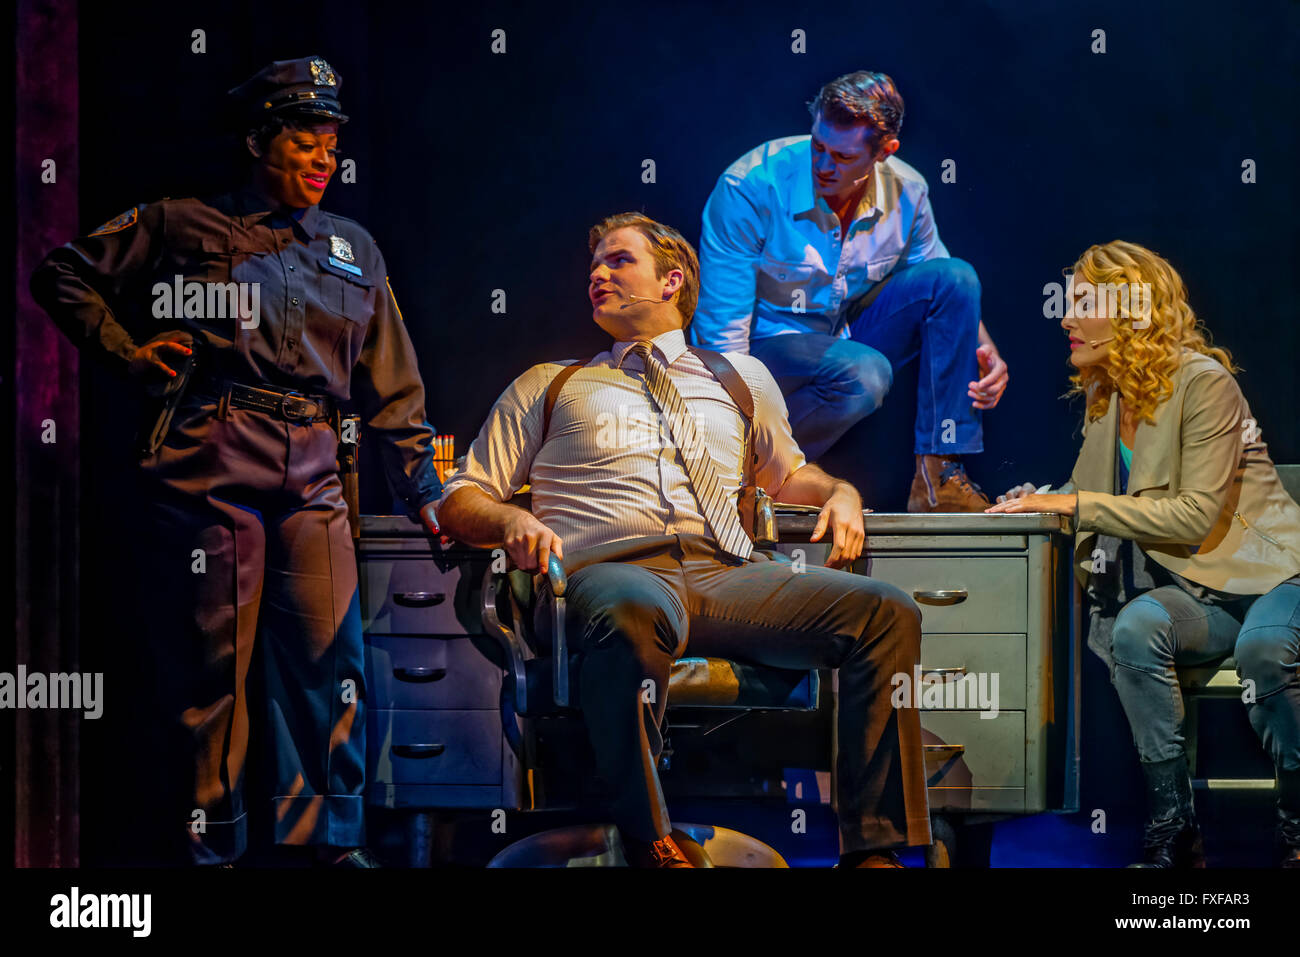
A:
{"points": [[322, 74], [341, 249]]}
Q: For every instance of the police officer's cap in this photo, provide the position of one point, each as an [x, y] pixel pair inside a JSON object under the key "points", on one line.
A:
{"points": [[307, 85]]}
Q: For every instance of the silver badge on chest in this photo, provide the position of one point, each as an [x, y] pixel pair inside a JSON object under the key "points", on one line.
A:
{"points": [[341, 249]]}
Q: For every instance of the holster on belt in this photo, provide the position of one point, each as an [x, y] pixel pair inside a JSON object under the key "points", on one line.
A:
{"points": [[756, 514], [164, 396], [348, 428]]}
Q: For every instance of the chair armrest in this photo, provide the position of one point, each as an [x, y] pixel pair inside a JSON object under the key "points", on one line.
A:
{"points": [[559, 643], [512, 639], [515, 652]]}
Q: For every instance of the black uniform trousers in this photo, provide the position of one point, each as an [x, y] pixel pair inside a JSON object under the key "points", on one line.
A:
{"points": [[254, 631], [635, 606]]}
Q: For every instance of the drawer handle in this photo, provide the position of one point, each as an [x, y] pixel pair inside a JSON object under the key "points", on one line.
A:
{"points": [[419, 599], [418, 750], [941, 596], [419, 675], [945, 748], [944, 672]]}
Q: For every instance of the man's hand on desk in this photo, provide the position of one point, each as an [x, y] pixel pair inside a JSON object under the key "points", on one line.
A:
{"points": [[842, 513]]}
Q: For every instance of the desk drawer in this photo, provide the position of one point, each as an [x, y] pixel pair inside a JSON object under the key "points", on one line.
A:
{"points": [[991, 593], [965, 751], [967, 659], [434, 747], [405, 673], [409, 597]]}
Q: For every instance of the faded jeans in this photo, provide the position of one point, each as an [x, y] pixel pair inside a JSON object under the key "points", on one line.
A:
{"points": [[1165, 628]]}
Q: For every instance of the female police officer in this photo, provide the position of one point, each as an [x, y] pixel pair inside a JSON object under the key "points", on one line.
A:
{"points": [[283, 311]]}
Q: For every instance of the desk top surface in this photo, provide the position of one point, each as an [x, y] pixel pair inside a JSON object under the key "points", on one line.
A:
{"points": [[794, 519]]}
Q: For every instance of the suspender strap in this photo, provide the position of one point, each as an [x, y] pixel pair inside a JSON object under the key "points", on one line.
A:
{"points": [[731, 380], [716, 362], [738, 389], [553, 393]]}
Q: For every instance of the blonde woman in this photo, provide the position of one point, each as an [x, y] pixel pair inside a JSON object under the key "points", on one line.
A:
{"points": [[1185, 540]]}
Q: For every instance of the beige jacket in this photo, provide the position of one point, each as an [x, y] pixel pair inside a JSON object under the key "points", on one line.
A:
{"points": [[1204, 499]]}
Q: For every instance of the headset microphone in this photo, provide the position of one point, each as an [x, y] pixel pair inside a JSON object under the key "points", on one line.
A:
{"points": [[642, 298], [1096, 342]]}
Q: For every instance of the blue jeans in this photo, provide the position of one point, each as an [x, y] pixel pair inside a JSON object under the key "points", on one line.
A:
{"points": [[1165, 627], [931, 309]]}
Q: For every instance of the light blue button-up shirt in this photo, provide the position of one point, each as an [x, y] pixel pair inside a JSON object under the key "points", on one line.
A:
{"points": [[772, 260]]}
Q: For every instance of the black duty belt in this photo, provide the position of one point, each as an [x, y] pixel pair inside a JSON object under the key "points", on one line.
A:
{"points": [[292, 406]]}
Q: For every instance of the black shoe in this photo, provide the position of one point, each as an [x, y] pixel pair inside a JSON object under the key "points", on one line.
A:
{"points": [[1171, 837]]}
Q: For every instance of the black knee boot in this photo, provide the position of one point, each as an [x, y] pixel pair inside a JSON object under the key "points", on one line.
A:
{"points": [[1171, 837], [1288, 816]]}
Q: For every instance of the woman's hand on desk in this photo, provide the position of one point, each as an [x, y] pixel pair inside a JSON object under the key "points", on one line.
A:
{"points": [[1017, 491], [1033, 502], [429, 518]]}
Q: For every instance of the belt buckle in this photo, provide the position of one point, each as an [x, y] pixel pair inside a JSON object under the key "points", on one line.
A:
{"points": [[294, 405]]}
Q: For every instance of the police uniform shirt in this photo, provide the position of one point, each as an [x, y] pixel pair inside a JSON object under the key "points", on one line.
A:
{"points": [[326, 320]]}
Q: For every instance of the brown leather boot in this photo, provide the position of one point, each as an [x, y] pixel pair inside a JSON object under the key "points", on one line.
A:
{"points": [[662, 853], [942, 485]]}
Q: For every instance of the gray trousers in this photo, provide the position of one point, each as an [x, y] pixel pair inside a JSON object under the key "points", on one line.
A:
{"points": [[633, 607], [1166, 627]]}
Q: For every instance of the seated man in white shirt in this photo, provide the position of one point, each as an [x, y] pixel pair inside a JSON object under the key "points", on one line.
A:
{"points": [[634, 487], [820, 255]]}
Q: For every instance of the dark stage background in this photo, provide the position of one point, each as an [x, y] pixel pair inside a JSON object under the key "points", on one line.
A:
{"points": [[478, 172]]}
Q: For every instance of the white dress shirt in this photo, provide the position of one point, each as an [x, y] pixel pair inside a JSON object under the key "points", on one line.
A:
{"points": [[608, 469], [772, 260]]}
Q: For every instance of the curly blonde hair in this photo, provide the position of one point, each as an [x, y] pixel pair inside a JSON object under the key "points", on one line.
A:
{"points": [[1144, 354]]}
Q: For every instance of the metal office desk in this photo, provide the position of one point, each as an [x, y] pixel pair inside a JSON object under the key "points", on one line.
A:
{"points": [[994, 591]]}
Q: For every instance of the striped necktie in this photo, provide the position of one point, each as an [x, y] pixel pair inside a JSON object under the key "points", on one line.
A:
{"points": [[714, 501]]}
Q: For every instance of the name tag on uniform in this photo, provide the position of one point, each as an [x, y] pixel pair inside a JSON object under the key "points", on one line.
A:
{"points": [[347, 267]]}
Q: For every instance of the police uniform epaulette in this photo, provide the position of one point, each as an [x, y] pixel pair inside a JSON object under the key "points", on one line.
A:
{"points": [[365, 233]]}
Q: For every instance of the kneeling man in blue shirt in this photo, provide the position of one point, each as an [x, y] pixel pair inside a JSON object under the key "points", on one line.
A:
{"points": [[819, 255]]}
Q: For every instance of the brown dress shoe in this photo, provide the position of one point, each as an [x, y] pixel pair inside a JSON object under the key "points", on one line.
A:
{"points": [[663, 853], [942, 485]]}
